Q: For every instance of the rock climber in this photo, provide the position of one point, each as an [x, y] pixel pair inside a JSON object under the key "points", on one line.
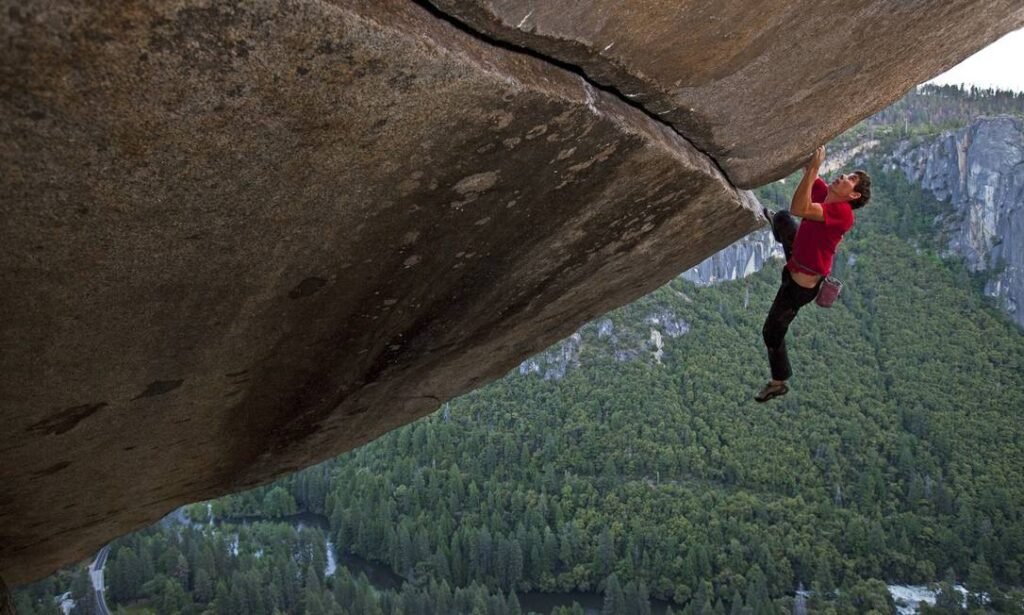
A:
{"points": [[826, 211]]}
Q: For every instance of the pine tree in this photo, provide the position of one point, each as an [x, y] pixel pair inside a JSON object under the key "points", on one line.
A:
{"points": [[643, 598], [82, 594], [312, 594], [173, 598], [513, 604], [203, 590], [515, 563], [736, 607], [222, 599], [614, 597], [181, 571], [605, 552]]}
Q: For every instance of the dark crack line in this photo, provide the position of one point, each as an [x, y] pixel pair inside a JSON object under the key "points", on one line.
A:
{"points": [[568, 67]]}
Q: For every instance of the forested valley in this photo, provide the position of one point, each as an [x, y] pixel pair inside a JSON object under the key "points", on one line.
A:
{"points": [[650, 477]]}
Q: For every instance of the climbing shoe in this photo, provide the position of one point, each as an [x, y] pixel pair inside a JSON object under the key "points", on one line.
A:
{"points": [[770, 391]]}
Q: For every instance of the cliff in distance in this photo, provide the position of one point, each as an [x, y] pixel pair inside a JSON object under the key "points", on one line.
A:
{"points": [[979, 171]]}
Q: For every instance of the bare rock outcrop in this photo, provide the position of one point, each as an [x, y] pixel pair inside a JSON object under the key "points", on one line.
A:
{"points": [[239, 239], [754, 85], [979, 170], [745, 257]]}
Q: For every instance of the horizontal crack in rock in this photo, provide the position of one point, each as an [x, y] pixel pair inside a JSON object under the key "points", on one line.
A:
{"points": [[568, 67]]}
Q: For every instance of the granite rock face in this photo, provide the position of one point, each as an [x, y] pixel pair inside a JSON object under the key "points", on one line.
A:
{"points": [[744, 257], [756, 86], [979, 170], [240, 239], [601, 337]]}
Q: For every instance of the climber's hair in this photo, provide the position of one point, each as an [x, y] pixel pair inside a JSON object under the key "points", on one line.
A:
{"points": [[863, 187]]}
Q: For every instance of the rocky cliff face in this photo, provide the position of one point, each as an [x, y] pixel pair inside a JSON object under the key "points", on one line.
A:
{"points": [[627, 343], [979, 170], [240, 238], [742, 258]]}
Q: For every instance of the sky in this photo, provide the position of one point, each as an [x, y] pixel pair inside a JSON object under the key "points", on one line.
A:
{"points": [[1000, 65]]}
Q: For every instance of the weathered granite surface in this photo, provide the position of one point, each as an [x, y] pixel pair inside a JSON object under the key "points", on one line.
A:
{"points": [[744, 257], [755, 85], [979, 170], [242, 238]]}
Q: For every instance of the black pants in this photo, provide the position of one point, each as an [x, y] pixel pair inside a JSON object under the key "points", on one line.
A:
{"points": [[788, 301]]}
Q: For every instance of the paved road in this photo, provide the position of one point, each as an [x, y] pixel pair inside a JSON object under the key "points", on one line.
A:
{"points": [[96, 574]]}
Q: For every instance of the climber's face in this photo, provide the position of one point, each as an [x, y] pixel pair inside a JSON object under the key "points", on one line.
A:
{"points": [[844, 187]]}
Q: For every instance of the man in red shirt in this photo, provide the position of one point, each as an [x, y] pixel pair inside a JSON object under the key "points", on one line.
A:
{"points": [[827, 214]]}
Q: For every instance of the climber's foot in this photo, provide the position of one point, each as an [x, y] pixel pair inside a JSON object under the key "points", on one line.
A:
{"points": [[771, 390]]}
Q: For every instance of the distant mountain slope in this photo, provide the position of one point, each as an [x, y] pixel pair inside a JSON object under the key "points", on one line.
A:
{"points": [[979, 170]]}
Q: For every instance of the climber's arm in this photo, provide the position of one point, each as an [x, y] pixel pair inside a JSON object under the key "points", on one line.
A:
{"points": [[802, 206]]}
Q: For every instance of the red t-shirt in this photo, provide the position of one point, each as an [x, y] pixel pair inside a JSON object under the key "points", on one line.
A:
{"points": [[815, 243]]}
